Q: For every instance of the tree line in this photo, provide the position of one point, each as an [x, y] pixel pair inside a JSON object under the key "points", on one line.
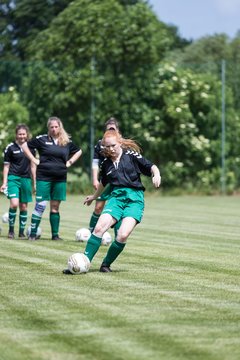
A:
{"points": [[85, 61]]}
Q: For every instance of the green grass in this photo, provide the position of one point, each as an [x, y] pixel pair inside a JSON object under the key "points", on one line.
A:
{"points": [[174, 293]]}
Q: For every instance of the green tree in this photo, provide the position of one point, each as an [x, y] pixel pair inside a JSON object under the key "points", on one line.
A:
{"points": [[12, 113], [184, 135], [21, 21], [99, 51], [206, 55]]}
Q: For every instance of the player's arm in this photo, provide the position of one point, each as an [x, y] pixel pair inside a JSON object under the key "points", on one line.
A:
{"points": [[156, 177], [33, 173], [95, 172], [28, 154], [74, 158], [5, 176]]}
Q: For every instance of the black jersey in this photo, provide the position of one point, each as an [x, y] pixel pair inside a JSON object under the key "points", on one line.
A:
{"points": [[53, 158], [127, 173], [19, 163], [97, 152]]}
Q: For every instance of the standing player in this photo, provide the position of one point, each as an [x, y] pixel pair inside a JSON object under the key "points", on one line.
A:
{"points": [[110, 124], [57, 153], [17, 171], [122, 169]]}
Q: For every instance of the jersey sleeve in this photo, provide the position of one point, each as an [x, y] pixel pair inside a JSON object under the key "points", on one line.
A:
{"points": [[104, 178], [144, 164], [33, 144], [7, 155], [73, 148]]}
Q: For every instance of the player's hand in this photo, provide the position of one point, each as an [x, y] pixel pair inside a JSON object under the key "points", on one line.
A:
{"points": [[36, 161], [89, 199], [95, 184], [156, 180], [2, 188]]}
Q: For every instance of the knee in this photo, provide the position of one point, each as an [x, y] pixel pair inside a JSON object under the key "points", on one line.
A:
{"points": [[122, 235], [99, 230], [98, 207], [23, 207]]}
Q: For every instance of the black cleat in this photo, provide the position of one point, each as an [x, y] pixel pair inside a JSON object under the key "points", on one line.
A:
{"points": [[67, 272], [56, 238], [32, 237], [22, 236], [105, 268], [11, 235]]}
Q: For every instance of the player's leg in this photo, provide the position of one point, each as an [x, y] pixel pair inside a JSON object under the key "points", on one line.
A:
{"points": [[99, 205], [22, 219], [104, 223], [25, 198], [14, 202], [58, 194], [36, 218], [14, 184], [54, 218], [132, 214], [117, 246], [42, 197]]}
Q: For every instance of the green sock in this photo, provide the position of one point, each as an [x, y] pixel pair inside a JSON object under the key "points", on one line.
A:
{"points": [[115, 249], [54, 221], [93, 221], [22, 221], [92, 246], [12, 216], [35, 221]]}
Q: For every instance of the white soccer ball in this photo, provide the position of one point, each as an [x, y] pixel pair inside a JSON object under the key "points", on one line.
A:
{"points": [[78, 263], [5, 218], [83, 234], [106, 239], [39, 232]]}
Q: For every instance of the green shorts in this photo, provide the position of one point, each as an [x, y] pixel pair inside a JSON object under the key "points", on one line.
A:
{"points": [[125, 202], [105, 194], [20, 188], [51, 190]]}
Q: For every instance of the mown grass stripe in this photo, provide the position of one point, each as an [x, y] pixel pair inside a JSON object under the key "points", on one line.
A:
{"points": [[174, 292]]}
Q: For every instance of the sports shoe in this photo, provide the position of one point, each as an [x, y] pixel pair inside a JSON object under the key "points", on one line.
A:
{"points": [[105, 268], [22, 236], [11, 235], [56, 237], [67, 272], [32, 238]]}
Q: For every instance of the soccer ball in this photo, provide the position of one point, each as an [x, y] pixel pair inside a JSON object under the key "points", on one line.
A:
{"points": [[78, 263], [83, 234], [5, 218], [39, 232], [106, 239]]}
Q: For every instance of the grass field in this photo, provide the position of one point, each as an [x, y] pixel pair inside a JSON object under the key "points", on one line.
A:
{"points": [[174, 293]]}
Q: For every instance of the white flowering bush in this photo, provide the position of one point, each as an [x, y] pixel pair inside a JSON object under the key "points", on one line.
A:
{"points": [[188, 133]]}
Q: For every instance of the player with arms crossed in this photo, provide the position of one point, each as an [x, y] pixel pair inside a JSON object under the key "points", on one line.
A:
{"points": [[122, 169]]}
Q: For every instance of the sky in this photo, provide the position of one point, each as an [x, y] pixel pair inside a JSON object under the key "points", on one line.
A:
{"points": [[195, 19]]}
